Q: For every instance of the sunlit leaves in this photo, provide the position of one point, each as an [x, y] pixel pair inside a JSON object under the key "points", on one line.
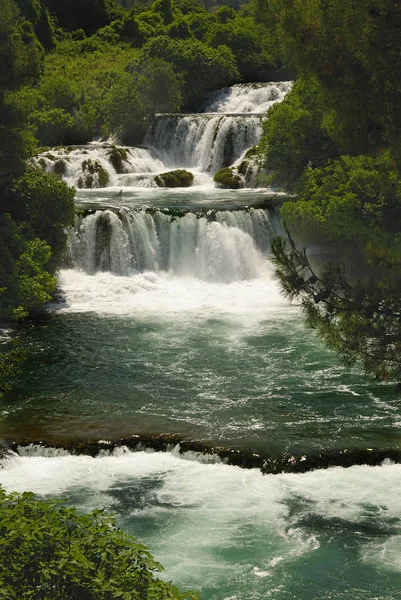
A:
{"points": [[51, 552]]}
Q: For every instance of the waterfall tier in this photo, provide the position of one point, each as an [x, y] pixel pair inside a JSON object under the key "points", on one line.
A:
{"points": [[247, 97], [206, 142], [219, 136], [222, 246]]}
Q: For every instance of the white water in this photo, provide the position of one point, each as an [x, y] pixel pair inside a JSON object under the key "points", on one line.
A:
{"points": [[204, 142], [137, 263], [126, 242], [201, 143], [204, 513], [247, 97]]}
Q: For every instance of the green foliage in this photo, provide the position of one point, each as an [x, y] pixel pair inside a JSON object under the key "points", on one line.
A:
{"points": [[226, 178], [49, 551], [203, 68], [88, 15], [25, 283], [352, 49], [293, 136], [147, 87], [166, 9], [352, 199], [52, 127], [254, 49], [47, 205], [173, 179], [36, 12], [21, 54], [16, 143]]}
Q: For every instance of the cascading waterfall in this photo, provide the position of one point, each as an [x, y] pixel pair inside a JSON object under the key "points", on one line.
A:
{"points": [[247, 97], [229, 124], [216, 247], [204, 142]]}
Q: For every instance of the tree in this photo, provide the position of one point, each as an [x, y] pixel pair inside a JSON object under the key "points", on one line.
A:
{"points": [[203, 68], [46, 204], [294, 136], [361, 322], [88, 15], [51, 552]]}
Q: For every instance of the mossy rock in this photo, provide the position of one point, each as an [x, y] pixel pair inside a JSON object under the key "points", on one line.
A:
{"points": [[116, 157], [50, 156], [60, 167], [226, 178], [251, 152], [42, 163], [243, 167], [93, 173], [173, 179]]}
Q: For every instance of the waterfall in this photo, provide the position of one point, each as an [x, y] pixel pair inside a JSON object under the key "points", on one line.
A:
{"points": [[206, 142], [228, 125], [247, 97], [221, 246]]}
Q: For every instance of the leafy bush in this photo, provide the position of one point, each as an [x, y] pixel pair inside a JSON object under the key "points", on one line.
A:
{"points": [[293, 135], [52, 126], [25, 284], [46, 204], [203, 68], [51, 552], [353, 200]]}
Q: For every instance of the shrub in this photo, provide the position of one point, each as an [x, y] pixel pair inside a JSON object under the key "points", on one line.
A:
{"points": [[49, 551], [46, 204]]}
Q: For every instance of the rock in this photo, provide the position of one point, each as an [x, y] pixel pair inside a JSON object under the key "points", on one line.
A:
{"points": [[173, 179]]}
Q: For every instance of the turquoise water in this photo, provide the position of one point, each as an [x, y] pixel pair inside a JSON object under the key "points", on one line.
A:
{"points": [[216, 356], [234, 533], [249, 375]]}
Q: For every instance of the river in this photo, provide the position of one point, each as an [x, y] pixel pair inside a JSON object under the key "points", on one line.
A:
{"points": [[171, 327]]}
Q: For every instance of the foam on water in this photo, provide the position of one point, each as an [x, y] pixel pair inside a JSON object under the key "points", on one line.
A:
{"points": [[162, 295], [226, 528], [247, 98]]}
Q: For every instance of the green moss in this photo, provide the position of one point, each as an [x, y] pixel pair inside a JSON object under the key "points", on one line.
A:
{"points": [[116, 157], [60, 167], [226, 178], [243, 167], [173, 179], [251, 152], [92, 171]]}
